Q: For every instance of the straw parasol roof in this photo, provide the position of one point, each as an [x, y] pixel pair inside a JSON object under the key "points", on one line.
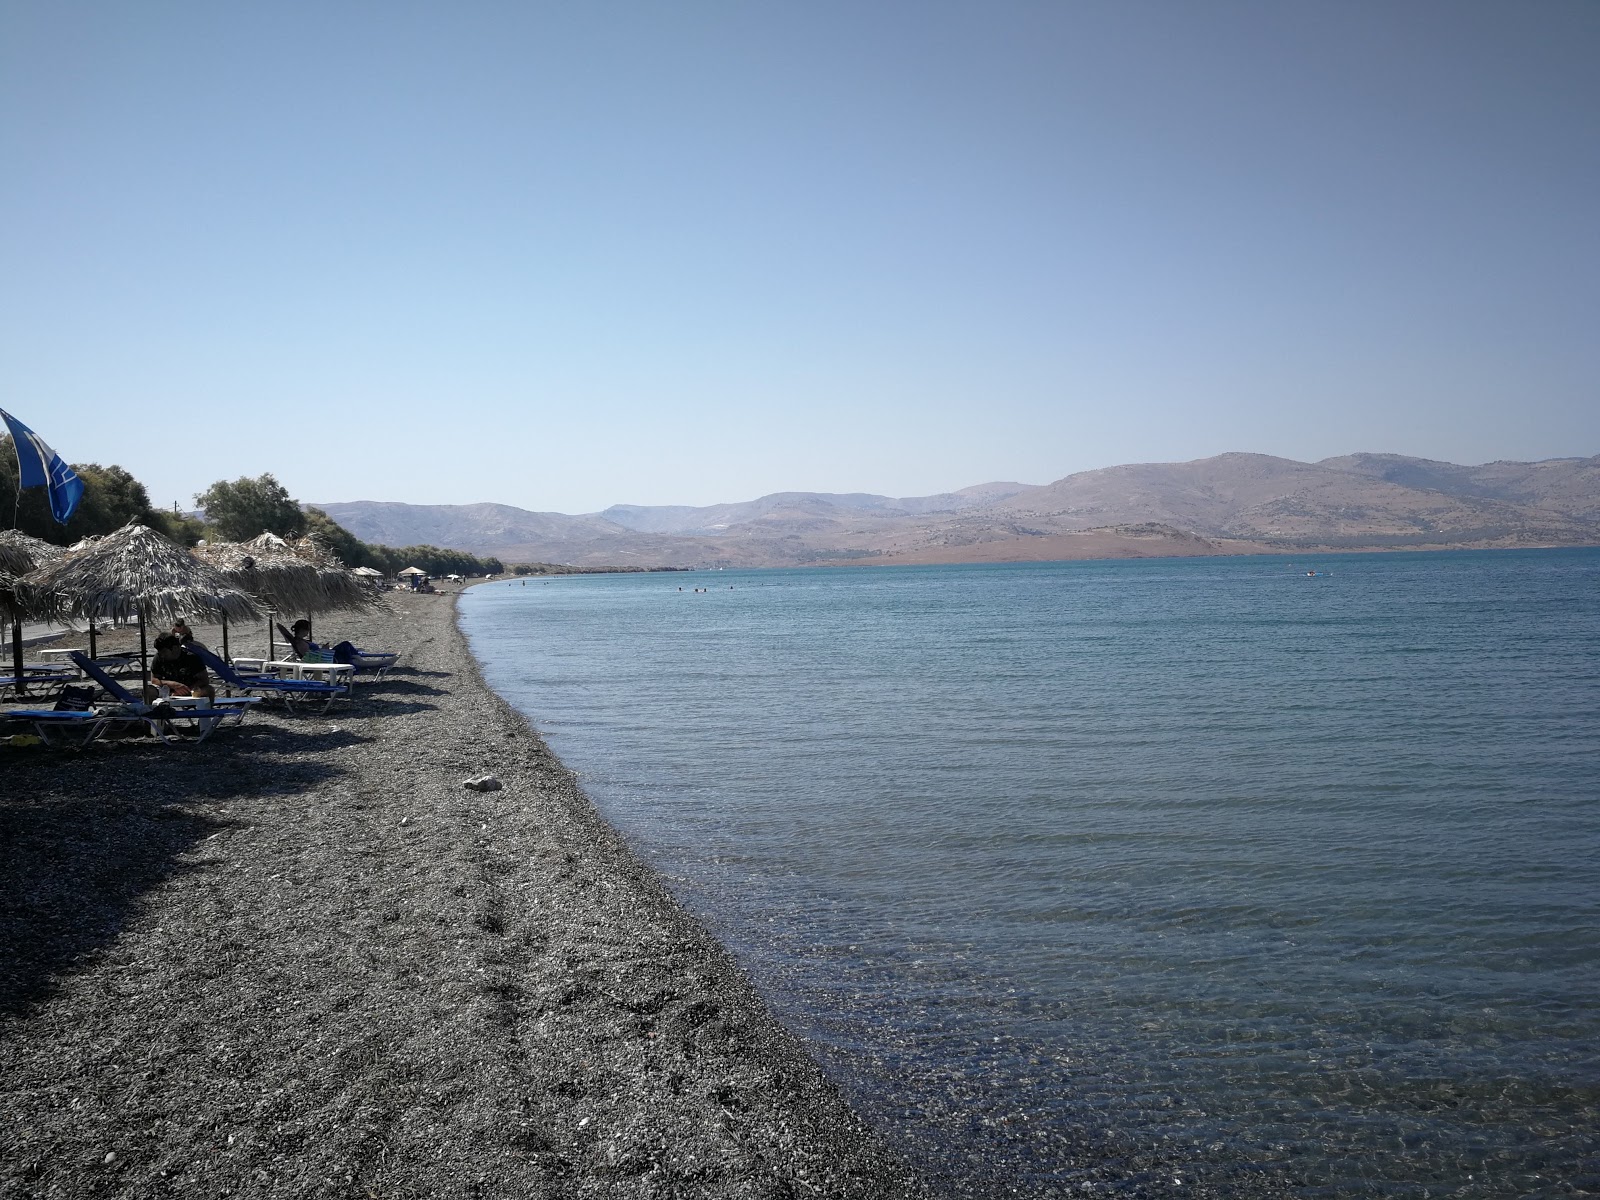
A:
{"points": [[341, 587], [297, 576], [135, 572], [20, 553], [270, 574]]}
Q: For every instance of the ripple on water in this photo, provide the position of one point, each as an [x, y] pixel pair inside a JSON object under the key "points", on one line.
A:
{"points": [[1118, 873]]}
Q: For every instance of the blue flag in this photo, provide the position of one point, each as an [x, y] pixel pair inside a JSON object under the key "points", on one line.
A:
{"points": [[40, 466]]}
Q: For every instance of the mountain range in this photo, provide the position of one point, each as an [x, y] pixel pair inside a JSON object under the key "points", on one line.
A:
{"points": [[1230, 504]]}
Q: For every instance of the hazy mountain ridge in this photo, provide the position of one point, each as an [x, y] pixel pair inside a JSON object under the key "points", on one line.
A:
{"points": [[796, 508], [1570, 486], [1230, 503]]}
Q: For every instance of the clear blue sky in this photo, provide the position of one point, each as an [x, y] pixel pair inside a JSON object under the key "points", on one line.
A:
{"points": [[565, 255]]}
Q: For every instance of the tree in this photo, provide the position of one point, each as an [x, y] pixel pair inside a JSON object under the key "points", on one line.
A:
{"points": [[179, 527], [348, 548], [240, 510], [111, 498], [435, 560]]}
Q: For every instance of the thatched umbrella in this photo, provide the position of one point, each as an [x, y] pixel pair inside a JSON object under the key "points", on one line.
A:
{"points": [[342, 588], [20, 554], [135, 572], [268, 572], [299, 576]]}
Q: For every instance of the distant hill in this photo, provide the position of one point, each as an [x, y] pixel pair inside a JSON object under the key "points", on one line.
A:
{"points": [[1231, 503], [1570, 486], [798, 510], [1279, 500]]}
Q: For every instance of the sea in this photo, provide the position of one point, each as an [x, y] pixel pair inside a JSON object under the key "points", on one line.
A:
{"points": [[1232, 876]]}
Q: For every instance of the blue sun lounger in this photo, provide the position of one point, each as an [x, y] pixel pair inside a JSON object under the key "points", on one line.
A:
{"points": [[57, 728], [361, 662], [205, 717], [272, 685], [45, 679]]}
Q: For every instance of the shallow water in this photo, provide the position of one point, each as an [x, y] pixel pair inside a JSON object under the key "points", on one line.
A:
{"points": [[1138, 875]]}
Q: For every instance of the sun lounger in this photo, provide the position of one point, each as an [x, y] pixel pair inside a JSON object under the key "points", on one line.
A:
{"points": [[287, 690], [362, 662], [69, 728], [36, 682], [160, 717], [365, 663]]}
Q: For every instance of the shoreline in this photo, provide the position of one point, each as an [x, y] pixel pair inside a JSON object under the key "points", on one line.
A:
{"points": [[302, 959]]}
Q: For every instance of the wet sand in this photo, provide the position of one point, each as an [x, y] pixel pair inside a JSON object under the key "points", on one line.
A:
{"points": [[302, 960]]}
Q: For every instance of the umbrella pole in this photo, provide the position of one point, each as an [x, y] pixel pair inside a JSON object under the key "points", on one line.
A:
{"points": [[92, 654], [16, 656], [144, 660], [226, 657]]}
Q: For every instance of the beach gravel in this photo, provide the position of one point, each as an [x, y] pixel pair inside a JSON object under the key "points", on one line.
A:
{"points": [[302, 959]]}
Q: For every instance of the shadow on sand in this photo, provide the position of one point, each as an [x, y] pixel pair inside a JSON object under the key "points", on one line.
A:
{"points": [[83, 837]]}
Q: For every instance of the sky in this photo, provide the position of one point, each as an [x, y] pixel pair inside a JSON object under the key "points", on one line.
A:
{"points": [[564, 256]]}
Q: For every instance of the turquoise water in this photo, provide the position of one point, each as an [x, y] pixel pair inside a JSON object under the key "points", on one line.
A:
{"points": [[1144, 877]]}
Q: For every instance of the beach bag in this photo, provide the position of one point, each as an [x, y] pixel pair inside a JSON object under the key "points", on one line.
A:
{"points": [[75, 699]]}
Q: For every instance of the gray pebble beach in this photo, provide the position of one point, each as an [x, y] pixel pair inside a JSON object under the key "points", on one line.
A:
{"points": [[302, 959]]}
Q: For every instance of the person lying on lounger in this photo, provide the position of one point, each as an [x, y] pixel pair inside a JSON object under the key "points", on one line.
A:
{"points": [[178, 670], [299, 637]]}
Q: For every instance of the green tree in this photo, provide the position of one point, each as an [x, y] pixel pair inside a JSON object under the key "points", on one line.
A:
{"points": [[180, 527], [438, 560], [111, 498], [349, 549], [240, 510]]}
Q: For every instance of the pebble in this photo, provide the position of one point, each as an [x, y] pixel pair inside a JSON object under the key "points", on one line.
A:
{"points": [[483, 783]]}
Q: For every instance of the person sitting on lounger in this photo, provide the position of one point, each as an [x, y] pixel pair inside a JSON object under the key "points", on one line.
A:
{"points": [[178, 670], [181, 631]]}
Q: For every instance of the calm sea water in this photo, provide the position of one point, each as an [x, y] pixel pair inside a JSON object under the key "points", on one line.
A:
{"points": [[1145, 877]]}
